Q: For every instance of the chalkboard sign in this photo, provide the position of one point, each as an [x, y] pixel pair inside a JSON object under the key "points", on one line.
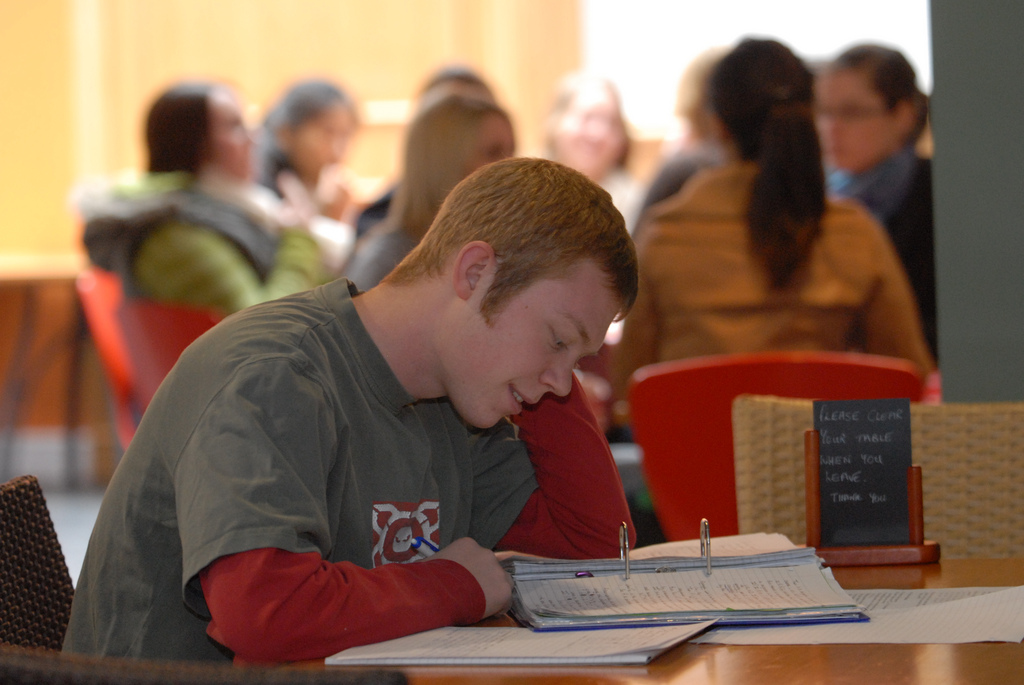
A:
{"points": [[864, 456]]}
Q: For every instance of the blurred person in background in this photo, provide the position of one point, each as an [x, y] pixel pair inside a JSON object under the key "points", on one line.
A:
{"points": [[586, 130], [448, 140], [190, 230], [451, 79], [304, 140], [871, 114], [695, 147], [751, 256]]}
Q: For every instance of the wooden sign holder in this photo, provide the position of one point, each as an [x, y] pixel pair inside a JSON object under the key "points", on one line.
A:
{"points": [[918, 551]]}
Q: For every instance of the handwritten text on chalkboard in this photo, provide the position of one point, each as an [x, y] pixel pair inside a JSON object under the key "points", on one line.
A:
{"points": [[864, 455]]}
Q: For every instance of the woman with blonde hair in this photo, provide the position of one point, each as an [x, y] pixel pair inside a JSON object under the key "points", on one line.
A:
{"points": [[447, 141], [695, 147], [586, 130]]}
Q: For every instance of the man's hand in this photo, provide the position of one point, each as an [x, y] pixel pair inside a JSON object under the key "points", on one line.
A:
{"points": [[484, 566]]}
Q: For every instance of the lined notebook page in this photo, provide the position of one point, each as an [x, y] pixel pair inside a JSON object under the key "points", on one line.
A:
{"points": [[755, 589]]}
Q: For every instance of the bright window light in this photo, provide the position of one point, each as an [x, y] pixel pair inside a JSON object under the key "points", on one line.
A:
{"points": [[644, 45]]}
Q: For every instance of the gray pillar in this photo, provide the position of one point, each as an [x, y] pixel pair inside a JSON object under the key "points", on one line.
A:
{"points": [[978, 125]]}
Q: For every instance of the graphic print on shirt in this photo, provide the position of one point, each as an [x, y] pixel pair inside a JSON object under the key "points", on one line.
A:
{"points": [[397, 524]]}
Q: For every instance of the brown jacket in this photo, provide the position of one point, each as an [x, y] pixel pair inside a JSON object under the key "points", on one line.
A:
{"points": [[702, 290]]}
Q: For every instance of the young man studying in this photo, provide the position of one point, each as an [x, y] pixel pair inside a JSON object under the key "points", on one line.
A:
{"points": [[304, 450]]}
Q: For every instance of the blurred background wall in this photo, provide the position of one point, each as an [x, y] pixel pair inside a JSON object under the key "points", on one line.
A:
{"points": [[77, 75]]}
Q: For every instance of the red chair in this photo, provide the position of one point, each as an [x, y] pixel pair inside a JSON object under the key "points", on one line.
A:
{"points": [[101, 296], [138, 341], [156, 334], [681, 414]]}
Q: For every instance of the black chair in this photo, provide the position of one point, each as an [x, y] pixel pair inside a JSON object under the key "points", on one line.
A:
{"points": [[35, 586]]}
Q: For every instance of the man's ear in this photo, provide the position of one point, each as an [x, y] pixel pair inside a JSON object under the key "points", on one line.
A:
{"points": [[474, 268]]}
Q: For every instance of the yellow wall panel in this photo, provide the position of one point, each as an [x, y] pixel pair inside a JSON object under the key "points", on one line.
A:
{"points": [[78, 75], [35, 127]]}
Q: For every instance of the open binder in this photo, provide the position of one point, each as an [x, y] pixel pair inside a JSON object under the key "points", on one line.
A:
{"points": [[781, 586]]}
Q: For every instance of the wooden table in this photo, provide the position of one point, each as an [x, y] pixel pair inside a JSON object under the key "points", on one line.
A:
{"points": [[29, 273], [692, 664]]}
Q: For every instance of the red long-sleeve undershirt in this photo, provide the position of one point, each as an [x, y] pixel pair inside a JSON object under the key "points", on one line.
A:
{"points": [[272, 605], [579, 505]]}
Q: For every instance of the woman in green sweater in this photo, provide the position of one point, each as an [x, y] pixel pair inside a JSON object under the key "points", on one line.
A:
{"points": [[191, 230]]}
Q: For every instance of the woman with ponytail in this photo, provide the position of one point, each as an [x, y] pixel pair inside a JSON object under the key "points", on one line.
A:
{"points": [[751, 256]]}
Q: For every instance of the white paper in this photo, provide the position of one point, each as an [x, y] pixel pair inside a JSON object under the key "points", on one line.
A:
{"points": [[520, 646], [937, 616]]}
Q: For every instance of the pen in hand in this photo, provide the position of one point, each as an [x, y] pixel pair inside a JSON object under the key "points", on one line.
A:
{"points": [[419, 542]]}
